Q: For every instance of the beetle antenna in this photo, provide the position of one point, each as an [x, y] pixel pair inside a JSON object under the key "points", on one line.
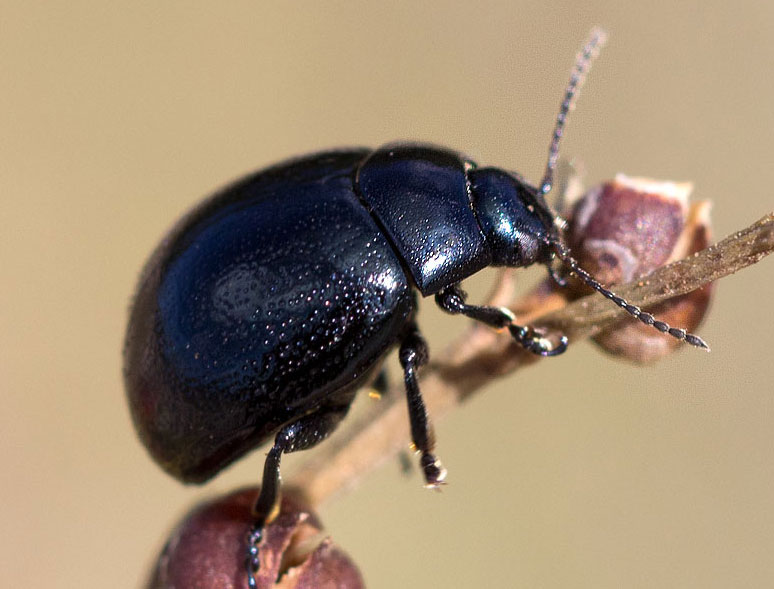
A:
{"points": [[583, 62], [633, 310]]}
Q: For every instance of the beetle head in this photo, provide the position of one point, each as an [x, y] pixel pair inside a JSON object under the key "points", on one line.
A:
{"points": [[518, 228], [521, 227]]}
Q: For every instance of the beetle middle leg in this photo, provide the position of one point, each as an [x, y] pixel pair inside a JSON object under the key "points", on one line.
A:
{"points": [[379, 388], [413, 354], [452, 300], [299, 435]]}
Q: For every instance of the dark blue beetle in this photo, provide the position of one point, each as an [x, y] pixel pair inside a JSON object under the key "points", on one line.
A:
{"points": [[266, 307]]}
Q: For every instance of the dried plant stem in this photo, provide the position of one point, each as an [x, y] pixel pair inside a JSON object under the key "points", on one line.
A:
{"points": [[481, 355]]}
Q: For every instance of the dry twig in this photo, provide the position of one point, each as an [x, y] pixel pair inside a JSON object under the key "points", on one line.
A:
{"points": [[482, 354]]}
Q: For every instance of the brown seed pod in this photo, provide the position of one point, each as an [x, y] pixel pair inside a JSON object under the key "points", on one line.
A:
{"points": [[207, 549], [625, 229]]}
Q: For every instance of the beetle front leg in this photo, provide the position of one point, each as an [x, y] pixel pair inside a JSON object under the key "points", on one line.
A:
{"points": [[452, 300], [555, 275], [413, 354]]}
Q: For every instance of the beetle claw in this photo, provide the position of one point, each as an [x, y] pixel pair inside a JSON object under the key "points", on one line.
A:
{"points": [[559, 348], [556, 276], [528, 338], [435, 473]]}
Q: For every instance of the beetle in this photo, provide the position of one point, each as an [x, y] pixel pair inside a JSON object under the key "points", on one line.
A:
{"points": [[269, 305]]}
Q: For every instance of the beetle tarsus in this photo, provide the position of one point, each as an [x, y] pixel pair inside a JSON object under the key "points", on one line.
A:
{"points": [[531, 341], [252, 563], [435, 473], [266, 506], [556, 276]]}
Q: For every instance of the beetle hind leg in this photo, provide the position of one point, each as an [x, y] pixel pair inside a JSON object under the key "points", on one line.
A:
{"points": [[299, 435], [452, 300], [413, 354]]}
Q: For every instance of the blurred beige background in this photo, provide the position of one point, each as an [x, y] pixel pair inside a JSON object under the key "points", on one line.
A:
{"points": [[579, 472]]}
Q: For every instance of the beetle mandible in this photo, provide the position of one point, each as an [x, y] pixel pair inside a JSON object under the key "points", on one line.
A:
{"points": [[269, 304]]}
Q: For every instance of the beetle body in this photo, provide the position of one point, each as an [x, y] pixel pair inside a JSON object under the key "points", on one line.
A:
{"points": [[275, 298]]}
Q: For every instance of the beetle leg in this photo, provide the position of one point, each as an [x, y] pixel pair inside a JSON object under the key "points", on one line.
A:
{"points": [[413, 354], [380, 385], [533, 342], [379, 388], [299, 435], [452, 300], [556, 276]]}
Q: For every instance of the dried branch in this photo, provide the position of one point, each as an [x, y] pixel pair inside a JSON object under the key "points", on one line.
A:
{"points": [[481, 355]]}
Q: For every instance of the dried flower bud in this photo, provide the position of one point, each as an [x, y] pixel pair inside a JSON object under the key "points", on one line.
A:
{"points": [[208, 548], [625, 229]]}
